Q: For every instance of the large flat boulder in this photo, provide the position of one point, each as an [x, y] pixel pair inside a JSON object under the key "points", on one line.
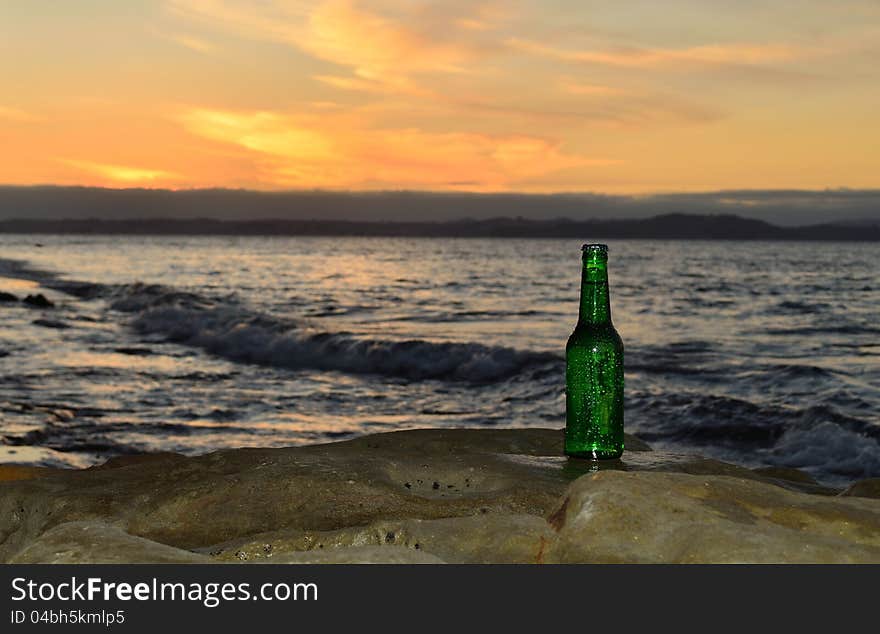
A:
{"points": [[619, 517], [482, 538], [203, 500], [454, 495], [98, 543]]}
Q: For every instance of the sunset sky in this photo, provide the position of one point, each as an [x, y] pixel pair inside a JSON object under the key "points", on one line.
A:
{"points": [[620, 96]]}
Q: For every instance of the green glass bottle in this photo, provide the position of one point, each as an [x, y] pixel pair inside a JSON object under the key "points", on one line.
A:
{"points": [[594, 368]]}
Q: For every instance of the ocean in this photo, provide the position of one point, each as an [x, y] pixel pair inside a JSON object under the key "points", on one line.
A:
{"points": [[757, 353]]}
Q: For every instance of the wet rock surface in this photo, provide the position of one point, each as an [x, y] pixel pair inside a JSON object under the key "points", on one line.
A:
{"points": [[869, 488], [618, 517], [483, 538], [95, 542], [423, 496]]}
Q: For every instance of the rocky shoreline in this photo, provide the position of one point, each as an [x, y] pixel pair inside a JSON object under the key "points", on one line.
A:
{"points": [[432, 496]]}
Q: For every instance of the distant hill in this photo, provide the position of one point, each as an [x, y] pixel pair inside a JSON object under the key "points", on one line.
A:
{"points": [[667, 226], [786, 208]]}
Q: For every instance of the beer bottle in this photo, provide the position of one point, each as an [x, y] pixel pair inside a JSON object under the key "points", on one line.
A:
{"points": [[594, 368]]}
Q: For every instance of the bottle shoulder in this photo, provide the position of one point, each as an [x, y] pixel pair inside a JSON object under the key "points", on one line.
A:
{"points": [[591, 334]]}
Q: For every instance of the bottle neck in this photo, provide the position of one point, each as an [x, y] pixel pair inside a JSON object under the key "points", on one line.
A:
{"points": [[595, 299]]}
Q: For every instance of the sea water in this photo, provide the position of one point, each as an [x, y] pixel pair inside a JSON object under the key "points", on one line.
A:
{"points": [[760, 353]]}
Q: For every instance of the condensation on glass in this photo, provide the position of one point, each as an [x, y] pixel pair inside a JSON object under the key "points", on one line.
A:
{"points": [[594, 368]]}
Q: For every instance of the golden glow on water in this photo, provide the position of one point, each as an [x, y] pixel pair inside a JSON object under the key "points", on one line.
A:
{"points": [[111, 360], [10, 284]]}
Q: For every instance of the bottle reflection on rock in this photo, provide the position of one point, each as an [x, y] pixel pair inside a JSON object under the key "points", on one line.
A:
{"points": [[594, 368]]}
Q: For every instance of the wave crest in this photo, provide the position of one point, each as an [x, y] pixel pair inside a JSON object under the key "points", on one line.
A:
{"points": [[236, 333]]}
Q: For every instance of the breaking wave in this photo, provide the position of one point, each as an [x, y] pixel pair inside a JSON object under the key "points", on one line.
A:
{"points": [[232, 331], [817, 438]]}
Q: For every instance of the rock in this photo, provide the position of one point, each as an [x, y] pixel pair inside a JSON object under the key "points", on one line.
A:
{"points": [[457, 495], [203, 500], [7, 297], [869, 488], [780, 476], [97, 543], [38, 301], [360, 555], [483, 538], [786, 473], [617, 517]]}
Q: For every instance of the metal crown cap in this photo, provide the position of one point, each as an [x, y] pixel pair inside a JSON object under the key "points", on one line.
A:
{"points": [[595, 249]]}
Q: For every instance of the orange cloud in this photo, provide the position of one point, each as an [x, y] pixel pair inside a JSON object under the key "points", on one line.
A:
{"points": [[122, 173], [443, 93], [263, 132], [394, 84], [17, 115], [593, 90], [375, 46], [184, 39], [193, 43], [343, 152], [719, 54], [349, 83], [383, 51]]}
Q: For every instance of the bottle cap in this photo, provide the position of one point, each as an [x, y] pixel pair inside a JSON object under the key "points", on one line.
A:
{"points": [[595, 249]]}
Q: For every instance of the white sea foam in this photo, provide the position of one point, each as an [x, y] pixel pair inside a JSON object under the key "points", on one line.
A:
{"points": [[237, 333], [826, 448]]}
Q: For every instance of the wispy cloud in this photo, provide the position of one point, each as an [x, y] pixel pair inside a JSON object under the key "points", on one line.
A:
{"points": [[18, 115], [125, 174], [193, 43], [377, 46], [295, 151], [185, 39], [575, 87], [394, 84], [635, 57], [265, 132], [636, 107], [384, 51], [521, 94], [349, 83]]}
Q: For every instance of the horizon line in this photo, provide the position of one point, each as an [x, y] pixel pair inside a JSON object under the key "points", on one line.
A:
{"points": [[443, 192]]}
